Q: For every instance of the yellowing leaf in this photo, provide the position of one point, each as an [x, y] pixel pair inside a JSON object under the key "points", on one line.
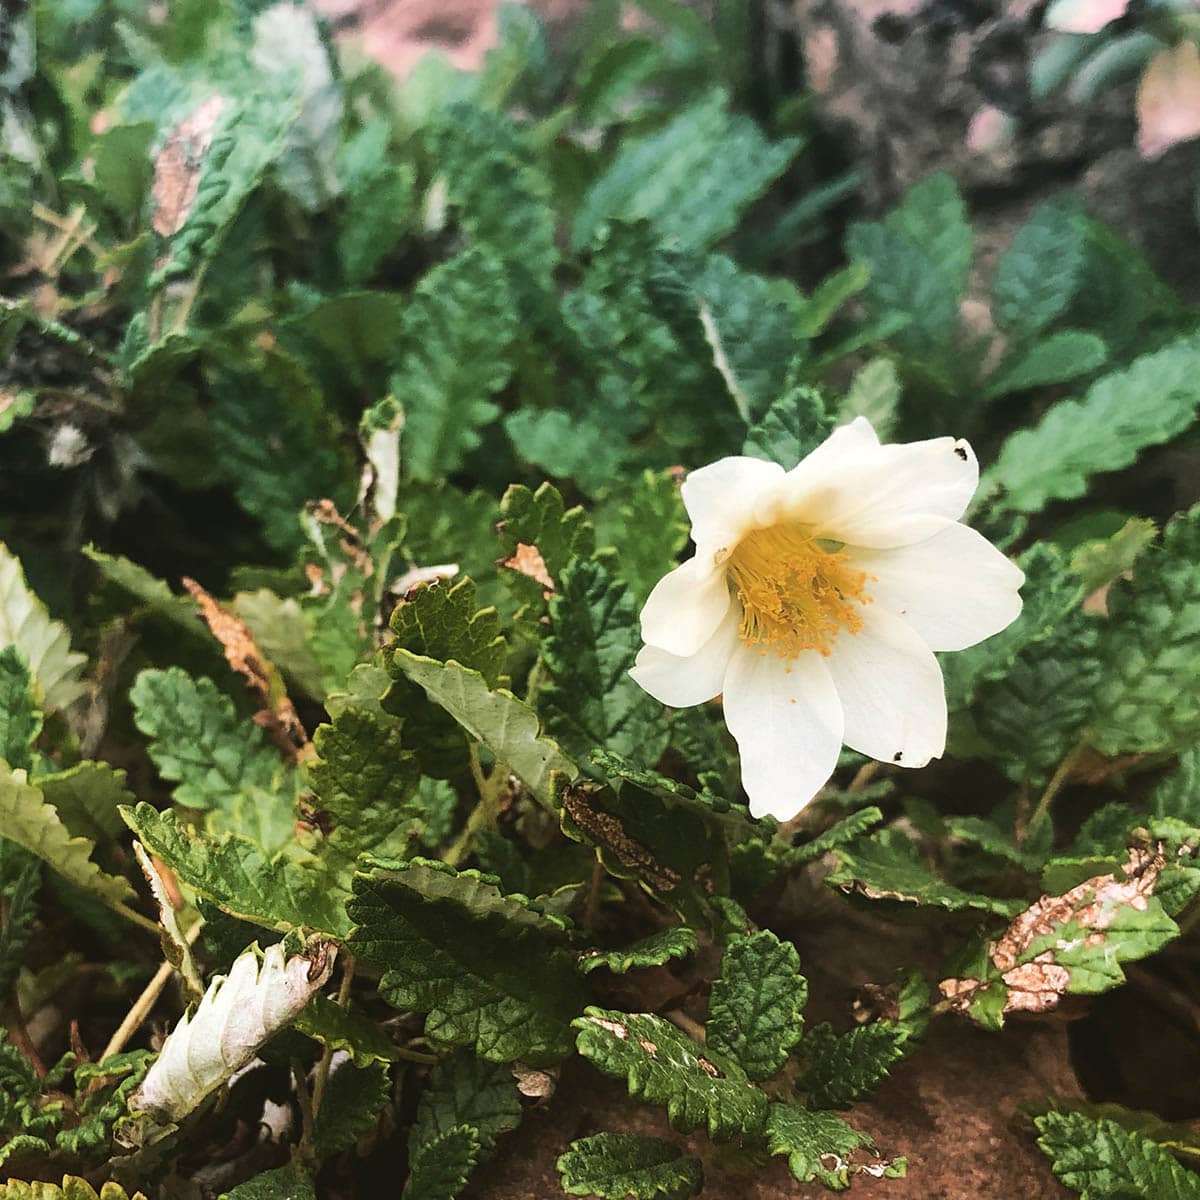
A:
{"points": [[1168, 100]]}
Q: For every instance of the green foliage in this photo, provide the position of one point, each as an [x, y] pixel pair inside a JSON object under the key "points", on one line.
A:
{"points": [[795, 424], [71, 1188], [589, 700], [277, 892], [818, 1145], [887, 866], [284, 1183], [441, 1169], [1037, 276], [490, 970], [663, 1066], [1099, 1159], [441, 622], [350, 1107], [691, 180], [650, 951], [754, 1010], [20, 720], [647, 528], [456, 357], [467, 1091], [1122, 414], [617, 1165], [842, 1069]]}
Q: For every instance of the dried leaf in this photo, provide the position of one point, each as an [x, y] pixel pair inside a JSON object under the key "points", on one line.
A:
{"points": [[279, 718], [528, 561], [179, 164]]}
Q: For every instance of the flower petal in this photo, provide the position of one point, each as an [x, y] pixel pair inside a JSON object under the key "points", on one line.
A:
{"points": [[891, 690], [954, 589], [881, 496], [682, 682], [685, 607], [720, 498], [787, 720]]}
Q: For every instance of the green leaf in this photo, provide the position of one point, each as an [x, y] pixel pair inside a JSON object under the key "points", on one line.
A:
{"points": [[457, 332], [441, 621], [27, 819], [283, 1183], [619, 1165], [1148, 403], [1102, 1161], [756, 1006], [652, 951], [350, 1107], [874, 393], [489, 970], [540, 519], [1150, 650], [87, 798], [379, 195], [365, 781], [221, 763], [20, 878], [152, 592], [838, 834], [661, 1065], [795, 425], [841, 1069], [1101, 562], [647, 527], [229, 145], [1075, 943], [465, 1090], [934, 217], [44, 645], [441, 1170], [1039, 273], [568, 445], [240, 877], [1030, 718], [1179, 794], [887, 866], [20, 720], [506, 726], [345, 1028], [1056, 358], [749, 323], [589, 699], [503, 203], [692, 179], [72, 1188], [812, 1139], [281, 629]]}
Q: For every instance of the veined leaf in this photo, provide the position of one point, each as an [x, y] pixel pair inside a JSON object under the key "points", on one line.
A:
{"points": [[1038, 274], [540, 520], [652, 951], [1122, 414], [457, 332], [350, 1107], [441, 621], [465, 1090], [663, 1066], [71, 1188], [441, 1170], [841, 1069], [489, 970], [283, 1183], [20, 719], [345, 1028], [44, 645], [820, 1145], [508, 727], [619, 1165], [240, 877], [590, 700], [754, 1011], [795, 424], [647, 527]]}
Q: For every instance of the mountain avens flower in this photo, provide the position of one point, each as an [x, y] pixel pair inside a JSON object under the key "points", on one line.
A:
{"points": [[814, 603]]}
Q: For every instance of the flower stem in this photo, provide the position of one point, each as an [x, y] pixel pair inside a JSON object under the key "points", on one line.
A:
{"points": [[486, 810], [1057, 782]]}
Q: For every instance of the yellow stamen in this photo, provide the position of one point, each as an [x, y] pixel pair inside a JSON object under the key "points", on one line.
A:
{"points": [[797, 592]]}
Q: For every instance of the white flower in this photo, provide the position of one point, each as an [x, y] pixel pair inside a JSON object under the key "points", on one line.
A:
{"points": [[815, 601]]}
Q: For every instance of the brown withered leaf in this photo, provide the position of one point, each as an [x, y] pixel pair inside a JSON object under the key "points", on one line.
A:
{"points": [[528, 560], [279, 717], [1038, 983], [179, 164]]}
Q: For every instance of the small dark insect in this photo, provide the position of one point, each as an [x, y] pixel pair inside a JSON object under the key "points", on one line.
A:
{"points": [[961, 453], [898, 756]]}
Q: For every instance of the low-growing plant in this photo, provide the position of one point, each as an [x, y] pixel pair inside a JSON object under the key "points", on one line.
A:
{"points": [[344, 425]]}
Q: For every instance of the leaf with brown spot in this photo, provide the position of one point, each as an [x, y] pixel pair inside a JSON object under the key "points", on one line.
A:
{"points": [[179, 164], [528, 560], [1069, 944]]}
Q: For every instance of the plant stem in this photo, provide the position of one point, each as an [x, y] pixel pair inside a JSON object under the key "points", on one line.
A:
{"points": [[322, 1076], [304, 1099], [19, 1035], [484, 814], [693, 1029], [146, 1001], [1057, 782]]}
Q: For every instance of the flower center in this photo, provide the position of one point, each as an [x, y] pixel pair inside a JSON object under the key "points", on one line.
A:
{"points": [[797, 592]]}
